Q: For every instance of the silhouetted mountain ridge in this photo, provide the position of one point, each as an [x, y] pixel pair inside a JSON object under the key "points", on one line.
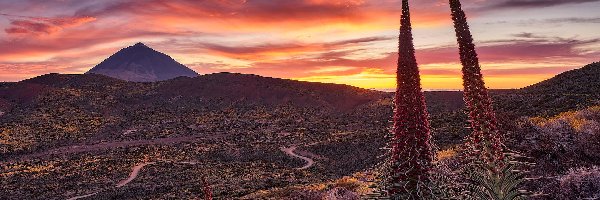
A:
{"points": [[583, 81], [572, 90], [140, 63], [258, 90], [218, 90]]}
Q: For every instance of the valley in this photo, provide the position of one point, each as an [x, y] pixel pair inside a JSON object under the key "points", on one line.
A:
{"points": [[75, 135]]}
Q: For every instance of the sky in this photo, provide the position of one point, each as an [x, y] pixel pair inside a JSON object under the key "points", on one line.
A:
{"points": [[520, 42]]}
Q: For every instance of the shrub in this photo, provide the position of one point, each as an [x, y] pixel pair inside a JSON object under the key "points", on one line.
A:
{"points": [[502, 185], [562, 142], [557, 145], [582, 183], [340, 193]]}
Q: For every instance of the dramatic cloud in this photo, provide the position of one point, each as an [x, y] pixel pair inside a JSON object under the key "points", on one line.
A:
{"points": [[527, 47], [340, 41], [536, 3], [25, 70], [26, 26], [40, 25], [594, 20], [289, 48], [258, 13]]}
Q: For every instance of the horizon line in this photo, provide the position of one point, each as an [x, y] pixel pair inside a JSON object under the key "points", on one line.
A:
{"points": [[376, 89]]}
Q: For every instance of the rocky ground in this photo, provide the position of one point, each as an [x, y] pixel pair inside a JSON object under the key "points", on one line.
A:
{"points": [[70, 136]]}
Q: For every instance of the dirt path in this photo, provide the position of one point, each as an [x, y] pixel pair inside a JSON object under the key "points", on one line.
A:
{"points": [[135, 171], [83, 196], [290, 151], [111, 145], [134, 174]]}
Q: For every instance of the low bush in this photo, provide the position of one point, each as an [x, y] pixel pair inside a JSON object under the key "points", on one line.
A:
{"points": [[582, 183]]}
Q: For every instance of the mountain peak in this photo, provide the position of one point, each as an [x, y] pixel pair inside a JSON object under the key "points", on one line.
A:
{"points": [[139, 44], [140, 63]]}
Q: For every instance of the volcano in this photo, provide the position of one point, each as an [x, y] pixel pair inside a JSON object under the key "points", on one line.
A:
{"points": [[140, 63]]}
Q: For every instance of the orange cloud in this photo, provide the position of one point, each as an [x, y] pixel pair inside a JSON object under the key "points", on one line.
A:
{"points": [[257, 15], [270, 51], [36, 25]]}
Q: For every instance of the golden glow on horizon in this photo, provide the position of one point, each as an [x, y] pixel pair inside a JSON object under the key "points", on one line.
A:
{"points": [[370, 79], [429, 82], [377, 79]]}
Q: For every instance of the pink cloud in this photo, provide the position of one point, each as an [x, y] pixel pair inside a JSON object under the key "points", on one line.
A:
{"points": [[36, 25]]}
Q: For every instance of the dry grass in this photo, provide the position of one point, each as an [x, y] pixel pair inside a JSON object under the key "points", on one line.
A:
{"points": [[576, 119], [358, 184]]}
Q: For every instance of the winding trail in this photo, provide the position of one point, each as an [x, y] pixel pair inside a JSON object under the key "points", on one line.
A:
{"points": [[83, 148], [134, 174], [290, 151], [135, 171], [83, 196]]}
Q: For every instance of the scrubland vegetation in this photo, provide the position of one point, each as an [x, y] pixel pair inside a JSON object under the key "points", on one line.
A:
{"points": [[65, 136]]}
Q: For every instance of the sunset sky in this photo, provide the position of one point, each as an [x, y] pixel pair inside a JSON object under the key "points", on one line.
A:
{"points": [[354, 42]]}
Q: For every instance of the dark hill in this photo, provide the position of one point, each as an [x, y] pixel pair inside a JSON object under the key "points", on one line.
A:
{"points": [[585, 80], [96, 107], [572, 90], [257, 90], [89, 81], [21, 93], [214, 91], [140, 63]]}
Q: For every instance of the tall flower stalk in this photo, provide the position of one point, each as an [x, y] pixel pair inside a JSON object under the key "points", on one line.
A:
{"points": [[411, 154], [491, 175], [485, 140], [207, 189]]}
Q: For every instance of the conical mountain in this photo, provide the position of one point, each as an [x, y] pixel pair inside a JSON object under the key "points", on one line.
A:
{"points": [[140, 63]]}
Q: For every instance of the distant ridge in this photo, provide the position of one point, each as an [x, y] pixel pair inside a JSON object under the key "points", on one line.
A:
{"points": [[218, 90], [572, 90], [585, 80], [251, 89], [140, 63]]}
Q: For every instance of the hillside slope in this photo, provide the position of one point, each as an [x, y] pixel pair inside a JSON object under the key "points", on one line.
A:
{"points": [[584, 80], [256, 90], [93, 127], [573, 90], [56, 109]]}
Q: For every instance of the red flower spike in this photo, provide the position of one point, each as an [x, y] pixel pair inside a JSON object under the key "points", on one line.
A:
{"points": [[411, 149], [485, 140]]}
